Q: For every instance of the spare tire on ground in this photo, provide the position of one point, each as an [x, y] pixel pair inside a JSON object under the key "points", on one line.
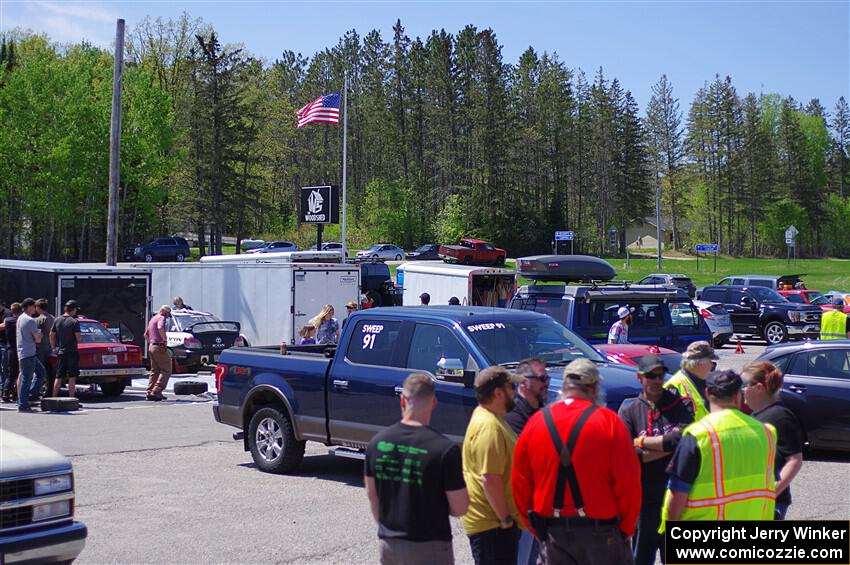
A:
{"points": [[57, 404], [190, 387]]}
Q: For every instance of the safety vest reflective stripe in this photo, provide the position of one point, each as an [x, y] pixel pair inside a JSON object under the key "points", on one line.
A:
{"points": [[717, 451], [738, 496]]}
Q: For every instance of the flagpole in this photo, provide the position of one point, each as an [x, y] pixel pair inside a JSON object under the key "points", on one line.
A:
{"points": [[344, 159]]}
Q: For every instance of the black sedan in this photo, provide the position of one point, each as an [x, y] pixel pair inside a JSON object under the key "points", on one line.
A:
{"points": [[427, 252], [817, 389]]}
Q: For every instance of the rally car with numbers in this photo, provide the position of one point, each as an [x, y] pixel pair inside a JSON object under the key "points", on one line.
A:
{"points": [[197, 338]]}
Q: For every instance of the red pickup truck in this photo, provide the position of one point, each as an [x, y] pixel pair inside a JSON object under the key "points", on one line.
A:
{"points": [[473, 252]]}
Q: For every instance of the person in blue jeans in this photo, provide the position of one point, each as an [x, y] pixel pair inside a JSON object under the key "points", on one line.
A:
{"points": [[32, 371]]}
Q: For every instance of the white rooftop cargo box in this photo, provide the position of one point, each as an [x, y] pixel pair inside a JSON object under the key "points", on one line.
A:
{"points": [[473, 286], [271, 301]]}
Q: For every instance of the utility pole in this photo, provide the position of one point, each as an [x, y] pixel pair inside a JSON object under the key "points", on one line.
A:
{"points": [[658, 222], [344, 165], [115, 148]]}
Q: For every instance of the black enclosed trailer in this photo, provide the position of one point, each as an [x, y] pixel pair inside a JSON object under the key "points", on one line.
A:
{"points": [[117, 296]]}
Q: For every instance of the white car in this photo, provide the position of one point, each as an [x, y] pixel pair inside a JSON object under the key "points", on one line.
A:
{"points": [[386, 251], [275, 247], [198, 338], [718, 321]]}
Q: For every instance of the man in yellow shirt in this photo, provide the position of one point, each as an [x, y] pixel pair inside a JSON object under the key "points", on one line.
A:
{"points": [[488, 451]]}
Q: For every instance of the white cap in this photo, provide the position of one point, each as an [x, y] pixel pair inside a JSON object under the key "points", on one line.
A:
{"points": [[623, 312]]}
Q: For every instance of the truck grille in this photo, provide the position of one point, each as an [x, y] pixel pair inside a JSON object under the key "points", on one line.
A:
{"points": [[813, 317], [13, 490], [15, 517]]}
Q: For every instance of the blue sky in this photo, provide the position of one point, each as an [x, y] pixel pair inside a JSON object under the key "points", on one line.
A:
{"points": [[791, 48]]}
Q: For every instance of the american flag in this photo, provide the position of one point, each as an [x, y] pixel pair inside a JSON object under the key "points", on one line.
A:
{"points": [[324, 109]]}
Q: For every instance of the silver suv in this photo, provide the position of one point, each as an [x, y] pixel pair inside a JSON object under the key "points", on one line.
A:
{"points": [[36, 504]]}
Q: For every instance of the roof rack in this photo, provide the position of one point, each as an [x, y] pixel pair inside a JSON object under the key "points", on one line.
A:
{"points": [[358, 260]]}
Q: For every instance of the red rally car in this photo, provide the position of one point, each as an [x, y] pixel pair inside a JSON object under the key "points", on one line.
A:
{"points": [[104, 360]]}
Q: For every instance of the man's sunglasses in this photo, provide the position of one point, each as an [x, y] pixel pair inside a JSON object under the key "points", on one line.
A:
{"points": [[542, 378], [654, 375]]}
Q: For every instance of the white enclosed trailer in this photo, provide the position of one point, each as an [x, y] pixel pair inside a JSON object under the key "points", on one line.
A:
{"points": [[271, 301], [474, 286]]}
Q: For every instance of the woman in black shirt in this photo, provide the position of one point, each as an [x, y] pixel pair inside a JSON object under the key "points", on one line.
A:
{"points": [[762, 383]]}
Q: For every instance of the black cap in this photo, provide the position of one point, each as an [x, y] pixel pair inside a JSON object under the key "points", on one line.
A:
{"points": [[649, 363], [723, 383], [453, 301], [72, 304]]}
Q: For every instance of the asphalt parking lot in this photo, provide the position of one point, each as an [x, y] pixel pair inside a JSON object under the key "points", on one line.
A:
{"points": [[163, 483]]}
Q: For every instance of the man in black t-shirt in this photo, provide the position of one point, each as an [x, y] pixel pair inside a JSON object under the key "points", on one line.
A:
{"points": [[64, 338], [414, 480], [4, 364], [655, 420], [8, 326]]}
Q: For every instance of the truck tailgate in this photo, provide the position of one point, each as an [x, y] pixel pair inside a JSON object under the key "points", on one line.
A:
{"points": [[297, 379]]}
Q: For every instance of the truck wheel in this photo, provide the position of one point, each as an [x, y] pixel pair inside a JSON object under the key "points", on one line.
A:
{"points": [[115, 388], [775, 332], [500, 261], [467, 260], [148, 258], [180, 257], [273, 444]]}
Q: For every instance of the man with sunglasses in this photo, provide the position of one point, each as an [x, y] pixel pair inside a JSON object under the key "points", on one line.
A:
{"points": [[531, 395], [655, 420], [698, 361]]}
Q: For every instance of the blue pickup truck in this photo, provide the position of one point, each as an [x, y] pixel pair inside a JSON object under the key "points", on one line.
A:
{"points": [[341, 396]]}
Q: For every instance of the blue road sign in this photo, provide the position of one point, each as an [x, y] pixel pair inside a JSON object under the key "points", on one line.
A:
{"points": [[563, 236], [707, 247]]}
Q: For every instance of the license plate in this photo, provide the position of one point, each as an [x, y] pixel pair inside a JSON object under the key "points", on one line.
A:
{"points": [[109, 359]]}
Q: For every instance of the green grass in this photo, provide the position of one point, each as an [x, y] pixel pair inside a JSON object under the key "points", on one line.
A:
{"points": [[821, 274]]}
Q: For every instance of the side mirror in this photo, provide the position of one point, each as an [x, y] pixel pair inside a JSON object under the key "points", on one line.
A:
{"points": [[451, 370]]}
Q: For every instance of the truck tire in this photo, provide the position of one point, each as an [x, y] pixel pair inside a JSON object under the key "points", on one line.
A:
{"points": [[115, 388], [57, 404], [500, 261], [148, 258], [180, 257], [190, 387], [272, 442], [467, 260], [775, 332]]}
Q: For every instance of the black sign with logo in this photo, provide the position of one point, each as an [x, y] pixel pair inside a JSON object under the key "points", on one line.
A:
{"points": [[320, 204]]}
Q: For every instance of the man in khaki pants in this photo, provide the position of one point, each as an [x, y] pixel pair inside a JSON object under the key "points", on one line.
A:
{"points": [[160, 359]]}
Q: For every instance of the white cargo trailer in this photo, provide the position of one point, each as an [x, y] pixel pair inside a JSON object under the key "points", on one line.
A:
{"points": [[271, 301], [474, 286]]}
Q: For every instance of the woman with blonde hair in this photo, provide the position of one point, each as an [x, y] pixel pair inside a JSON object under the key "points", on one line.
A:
{"points": [[762, 385], [327, 328]]}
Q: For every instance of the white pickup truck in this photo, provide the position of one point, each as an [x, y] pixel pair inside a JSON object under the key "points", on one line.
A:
{"points": [[36, 504]]}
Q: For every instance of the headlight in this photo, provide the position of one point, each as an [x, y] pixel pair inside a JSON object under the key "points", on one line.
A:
{"points": [[794, 316], [47, 485], [51, 510]]}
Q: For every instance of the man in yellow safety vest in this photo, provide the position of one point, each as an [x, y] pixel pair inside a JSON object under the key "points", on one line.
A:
{"points": [[698, 361], [835, 324], [723, 467]]}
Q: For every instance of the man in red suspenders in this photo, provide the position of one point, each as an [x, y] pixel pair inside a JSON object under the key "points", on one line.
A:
{"points": [[576, 478]]}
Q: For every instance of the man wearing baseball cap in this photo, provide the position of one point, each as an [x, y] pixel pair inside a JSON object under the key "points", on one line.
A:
{"points": [[576, 478], [64, 338], [619, 332], [488, 447], [655, 420], [723, 467], [698, 361]]}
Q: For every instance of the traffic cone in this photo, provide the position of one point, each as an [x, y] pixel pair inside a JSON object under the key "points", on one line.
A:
{"points": [[739, 348]]}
